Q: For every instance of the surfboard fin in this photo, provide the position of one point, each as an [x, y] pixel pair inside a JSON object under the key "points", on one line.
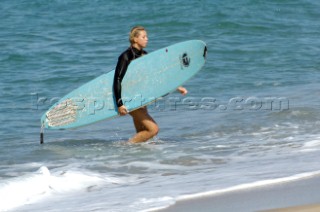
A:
{"points": [[41, 135], [205, 52]]}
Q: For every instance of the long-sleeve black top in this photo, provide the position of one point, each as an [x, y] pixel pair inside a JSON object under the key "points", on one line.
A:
{"points": [[123, 62]]}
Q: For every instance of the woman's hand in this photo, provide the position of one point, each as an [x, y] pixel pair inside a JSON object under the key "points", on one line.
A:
{"points": [[182, 90], [123, 110]]}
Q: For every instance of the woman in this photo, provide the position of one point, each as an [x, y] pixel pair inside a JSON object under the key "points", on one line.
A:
{"points": [[145, 126]]}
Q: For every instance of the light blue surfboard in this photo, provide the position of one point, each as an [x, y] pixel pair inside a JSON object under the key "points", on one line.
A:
{"points": [[147, 79]]}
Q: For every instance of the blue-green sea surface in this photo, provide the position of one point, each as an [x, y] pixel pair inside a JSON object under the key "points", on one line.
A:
{"points": [[262, 78]]}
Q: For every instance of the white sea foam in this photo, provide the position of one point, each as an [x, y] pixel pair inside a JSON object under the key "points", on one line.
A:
{"points": [[155, 203], [311, 146], [156, 166], [314, 143], [31, 188], [23, 190]]}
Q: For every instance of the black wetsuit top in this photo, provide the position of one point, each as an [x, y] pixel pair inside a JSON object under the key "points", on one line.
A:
{"points": [[123, 62]]}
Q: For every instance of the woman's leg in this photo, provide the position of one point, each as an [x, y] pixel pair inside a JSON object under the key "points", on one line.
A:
{"points": [[145, 126]]}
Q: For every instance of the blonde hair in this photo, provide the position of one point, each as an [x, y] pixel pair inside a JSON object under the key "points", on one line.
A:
{"points": [[135, 31]]}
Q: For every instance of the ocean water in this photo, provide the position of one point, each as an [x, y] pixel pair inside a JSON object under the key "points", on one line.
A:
{"points": [[262, 125]]}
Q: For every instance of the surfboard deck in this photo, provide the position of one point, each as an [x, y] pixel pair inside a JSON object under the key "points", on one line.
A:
{"points": [[147, 79]]}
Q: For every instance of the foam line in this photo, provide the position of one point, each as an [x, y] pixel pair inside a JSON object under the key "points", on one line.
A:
{"points": [[249, 185]]}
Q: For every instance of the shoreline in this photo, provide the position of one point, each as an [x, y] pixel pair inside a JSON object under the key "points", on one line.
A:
{"points": [[293, 195]]}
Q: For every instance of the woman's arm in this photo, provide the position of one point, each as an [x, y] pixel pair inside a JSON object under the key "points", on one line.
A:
{"points": [[120, 71]]}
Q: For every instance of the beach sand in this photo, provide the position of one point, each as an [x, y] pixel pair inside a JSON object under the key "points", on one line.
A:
{"points": [[305, 208], [295, 195]]}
